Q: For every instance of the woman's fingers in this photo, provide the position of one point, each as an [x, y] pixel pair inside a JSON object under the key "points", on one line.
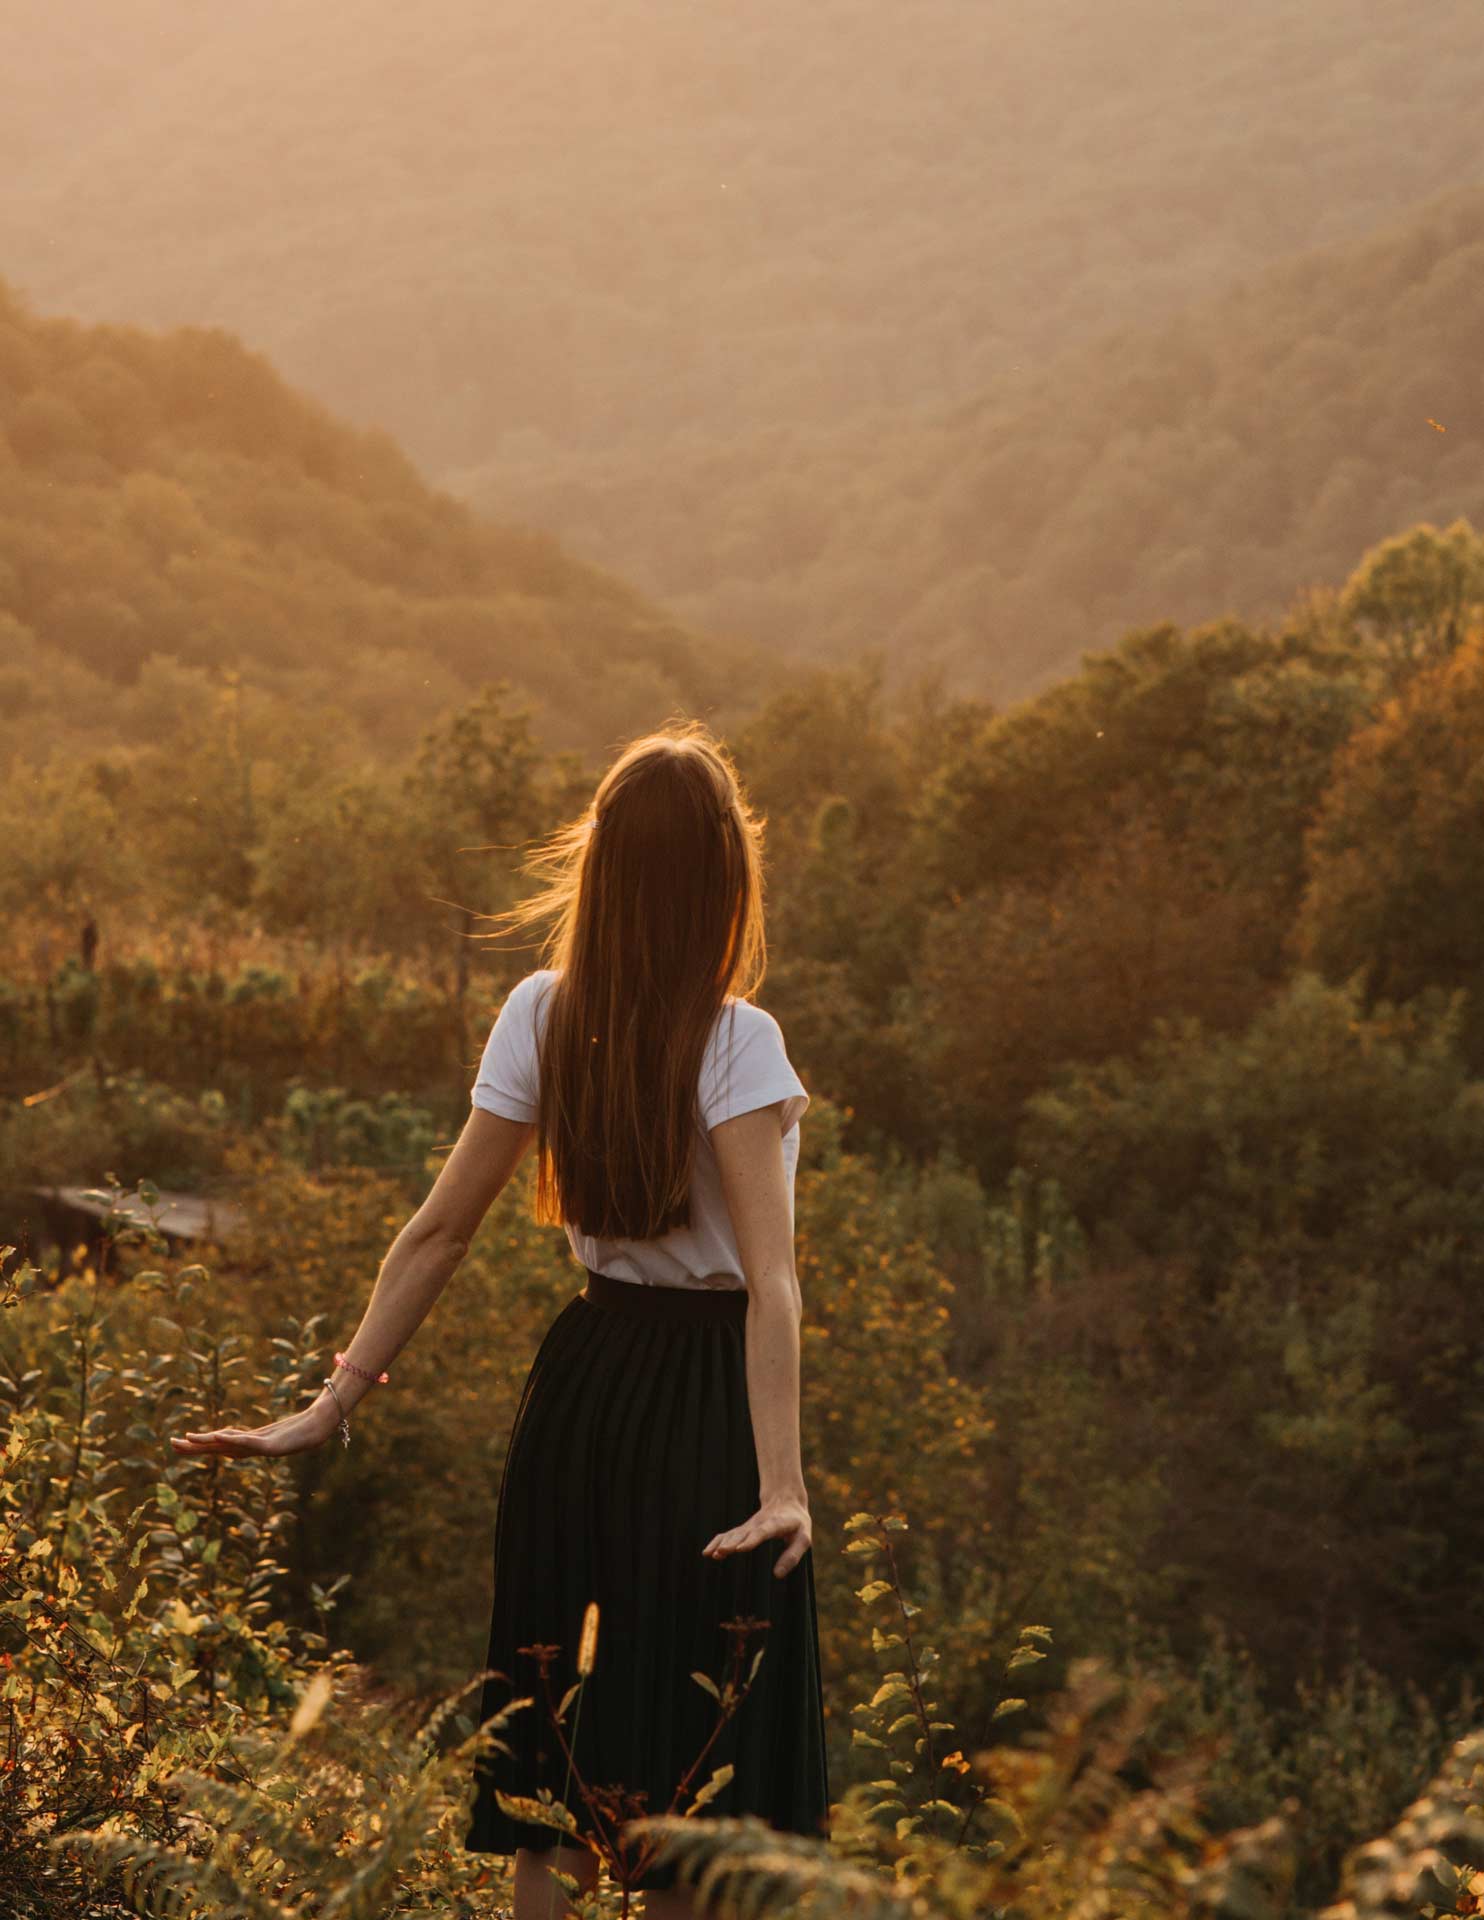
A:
{"points": [[743, 1539], [290, 1433], [229, 1440], [792, 1554], [737, 1539]]}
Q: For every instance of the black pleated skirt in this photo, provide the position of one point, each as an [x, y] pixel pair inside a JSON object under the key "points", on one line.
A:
{"points": [[632, 1445]]}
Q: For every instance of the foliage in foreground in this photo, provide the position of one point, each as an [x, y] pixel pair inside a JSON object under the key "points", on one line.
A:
{"points": [[172, 1746]]}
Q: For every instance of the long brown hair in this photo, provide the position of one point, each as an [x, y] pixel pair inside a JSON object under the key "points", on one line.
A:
{"points": [[655, 892]]}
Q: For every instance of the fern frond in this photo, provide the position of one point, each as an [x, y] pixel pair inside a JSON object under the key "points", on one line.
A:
{"points": [[178, 1884], [1417, 1865], [1253, 1875], [743, 1869]]}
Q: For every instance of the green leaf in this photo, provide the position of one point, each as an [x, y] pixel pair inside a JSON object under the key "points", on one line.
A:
{"points": [[541, 1813], [1007, 1706], [859, 1520], [857, 1737], [892, 1689], [902, 1720], [1023, 1657], [1002, 1811]]}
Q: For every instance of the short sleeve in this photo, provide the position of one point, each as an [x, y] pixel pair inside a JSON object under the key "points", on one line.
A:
{"points": [[507, 1082], [746, 1065]]}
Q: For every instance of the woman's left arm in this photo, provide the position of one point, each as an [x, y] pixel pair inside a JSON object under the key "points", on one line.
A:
{"points": [[418, 1266]]}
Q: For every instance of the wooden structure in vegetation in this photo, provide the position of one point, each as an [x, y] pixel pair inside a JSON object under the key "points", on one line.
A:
{"points": [[36, 1218]]}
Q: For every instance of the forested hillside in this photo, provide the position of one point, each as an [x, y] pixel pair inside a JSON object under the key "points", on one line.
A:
{"points": [[817, 363], [1043, 440], [169, 508], [1139, 1221], [1222, 459]]}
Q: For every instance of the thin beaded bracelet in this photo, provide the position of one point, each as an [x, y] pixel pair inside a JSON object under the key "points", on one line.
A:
{"points": [[350, 1366]]}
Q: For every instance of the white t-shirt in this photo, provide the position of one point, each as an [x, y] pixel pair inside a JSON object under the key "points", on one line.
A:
{"points": [[744, 1066]]}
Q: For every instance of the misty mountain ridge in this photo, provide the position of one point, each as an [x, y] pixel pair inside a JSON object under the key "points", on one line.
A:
{"points": [[1217, 461], [609, 225]]}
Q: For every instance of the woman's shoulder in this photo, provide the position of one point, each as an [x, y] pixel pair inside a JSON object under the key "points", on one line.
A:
{"points": [[526, 998], [742, 1021], [749, 1012], [530, 985], [537, 985], [736, 1020]]}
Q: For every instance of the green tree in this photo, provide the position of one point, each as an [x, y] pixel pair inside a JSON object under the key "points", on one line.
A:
{"points": [[1418, 591], [1395, 883], [342, 861], [68, 853], [475, 792]]}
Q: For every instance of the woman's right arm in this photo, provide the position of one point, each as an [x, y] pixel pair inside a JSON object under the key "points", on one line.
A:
{"points": [[749, 1157], [418, 1265]]}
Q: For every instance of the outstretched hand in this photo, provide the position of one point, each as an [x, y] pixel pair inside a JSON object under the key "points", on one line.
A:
{"points": [[788, 1519], [292, 1433]]}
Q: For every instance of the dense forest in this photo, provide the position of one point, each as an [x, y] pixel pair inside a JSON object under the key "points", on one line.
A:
{"points": [[1216, 460], [1140, 1206], [1042, 443], [170, 508], [617, 223], [801, 320]]}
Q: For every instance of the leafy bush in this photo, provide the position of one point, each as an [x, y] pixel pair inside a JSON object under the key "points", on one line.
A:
{"points": [[327, 1127], [172, 1745], [99, 1120]]}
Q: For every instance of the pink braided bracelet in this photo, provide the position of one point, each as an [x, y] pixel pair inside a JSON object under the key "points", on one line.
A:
{"points": [[382, 1379]]}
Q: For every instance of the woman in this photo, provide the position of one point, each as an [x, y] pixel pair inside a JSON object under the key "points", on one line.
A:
{"points": [[653, 1465]]}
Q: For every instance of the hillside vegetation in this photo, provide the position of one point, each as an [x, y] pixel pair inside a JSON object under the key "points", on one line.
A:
{"points": [[1140, 1216], [1222, 459], [850, 325], [170, 509]]}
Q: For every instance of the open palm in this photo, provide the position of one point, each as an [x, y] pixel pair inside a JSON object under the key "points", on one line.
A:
{"points": [[292, 1433]]}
